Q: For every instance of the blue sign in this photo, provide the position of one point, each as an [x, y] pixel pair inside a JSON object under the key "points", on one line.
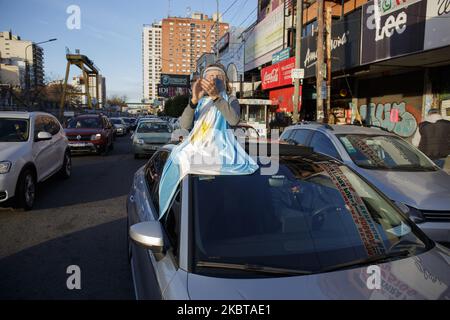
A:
{"points": [[281, 55]]}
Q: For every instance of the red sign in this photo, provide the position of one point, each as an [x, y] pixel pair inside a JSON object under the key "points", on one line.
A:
{"points": [[284, 99], [278, 75]]}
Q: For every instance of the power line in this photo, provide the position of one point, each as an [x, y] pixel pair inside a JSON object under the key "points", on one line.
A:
{"points": [[217, 18], [240, 10], [247, 18]]}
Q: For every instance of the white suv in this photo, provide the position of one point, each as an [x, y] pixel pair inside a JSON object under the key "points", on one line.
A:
{"points": [[33, 147]]}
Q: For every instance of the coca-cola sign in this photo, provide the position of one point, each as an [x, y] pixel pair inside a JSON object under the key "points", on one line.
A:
{"points": [[277, 75]]}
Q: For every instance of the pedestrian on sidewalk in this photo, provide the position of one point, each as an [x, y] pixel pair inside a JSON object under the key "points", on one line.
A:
{"points": [[432, 137]]}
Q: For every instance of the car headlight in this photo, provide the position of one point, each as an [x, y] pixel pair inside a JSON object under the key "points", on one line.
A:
{"points": [[139, 141], [5, 166], [97, 136], [414, 214]]}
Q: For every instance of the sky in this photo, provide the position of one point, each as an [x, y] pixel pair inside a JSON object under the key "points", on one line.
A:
{"points": [[110, 32]]}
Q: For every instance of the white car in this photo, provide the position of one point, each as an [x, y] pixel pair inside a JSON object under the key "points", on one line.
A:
{"points": [[33, 147]]}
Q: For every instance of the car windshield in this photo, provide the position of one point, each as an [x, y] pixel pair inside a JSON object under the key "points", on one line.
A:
{"points": [[127, 120], [13, 130], [306, 217], [116, 121], [85, 123], [151, 127], [384, 152]]}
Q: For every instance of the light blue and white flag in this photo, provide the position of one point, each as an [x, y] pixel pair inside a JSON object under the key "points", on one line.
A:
{"points": [[210, 149]]}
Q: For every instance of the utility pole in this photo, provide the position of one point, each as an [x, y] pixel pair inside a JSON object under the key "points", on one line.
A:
{"points": [[320, 116], [218, 31], [328, 28], [298, 44]]}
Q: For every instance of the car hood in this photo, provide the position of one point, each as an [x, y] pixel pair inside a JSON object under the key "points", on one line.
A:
{"points": [[157, 137], [11, 150], [119, 126], [421, 277], [72, 132], [422, 190]]}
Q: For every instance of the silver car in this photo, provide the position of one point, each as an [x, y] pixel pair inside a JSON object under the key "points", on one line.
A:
{"points": [[149, 136], [120, 126], [313, 230], [418, 186]]}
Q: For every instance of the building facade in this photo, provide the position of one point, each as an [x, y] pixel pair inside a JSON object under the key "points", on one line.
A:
{"points": [[16, 55], [184, 40], [98, 102], [151, 60], [389, 69]]}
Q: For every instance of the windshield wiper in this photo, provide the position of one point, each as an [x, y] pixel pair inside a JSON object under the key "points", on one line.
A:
{"points": [[251, 268], [366, 261]]}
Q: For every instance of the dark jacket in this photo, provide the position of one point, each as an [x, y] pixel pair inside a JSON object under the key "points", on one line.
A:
{"points": [[435, 139]]}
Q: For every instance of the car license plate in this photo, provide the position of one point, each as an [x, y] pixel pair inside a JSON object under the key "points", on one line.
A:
{"points": [[151, 148], [77, 144]]}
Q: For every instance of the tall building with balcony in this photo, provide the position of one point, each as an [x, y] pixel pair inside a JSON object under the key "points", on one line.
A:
{"points": [[151, 60], [184, 40], [15, 55]]}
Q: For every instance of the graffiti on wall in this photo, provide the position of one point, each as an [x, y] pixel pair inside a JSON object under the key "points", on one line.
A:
{"points": [[393, 117]]}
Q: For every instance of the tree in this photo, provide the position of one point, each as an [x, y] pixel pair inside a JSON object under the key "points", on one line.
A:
{"points": [[174, 106], [117, 101], [54, 91]]}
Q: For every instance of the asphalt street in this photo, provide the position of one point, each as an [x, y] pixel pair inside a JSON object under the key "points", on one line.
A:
{"points": [[80, 221]]}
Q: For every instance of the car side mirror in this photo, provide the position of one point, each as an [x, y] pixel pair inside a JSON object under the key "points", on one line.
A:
{"points": [[43, 136], [149, 235]]}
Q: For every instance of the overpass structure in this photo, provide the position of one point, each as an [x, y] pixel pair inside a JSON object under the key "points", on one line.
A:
{"points": [[89, 71]]}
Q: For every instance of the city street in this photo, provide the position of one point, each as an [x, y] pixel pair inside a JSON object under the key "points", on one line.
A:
{"points": [[80, 221]]}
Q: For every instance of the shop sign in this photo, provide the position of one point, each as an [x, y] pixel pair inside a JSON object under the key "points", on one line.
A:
{"points": [[277, 75], [396, 33]]}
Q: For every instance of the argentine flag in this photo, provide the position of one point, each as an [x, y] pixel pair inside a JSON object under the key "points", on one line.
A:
{"points": [[210, 149]]}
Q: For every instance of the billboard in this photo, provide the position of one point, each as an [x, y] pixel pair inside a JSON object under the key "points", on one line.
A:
{"points": [[175, 80], [398, 32], [437, 25], [168, 92], [264, 39]]}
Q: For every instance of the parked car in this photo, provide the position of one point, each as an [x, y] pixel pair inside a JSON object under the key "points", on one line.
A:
{"points": [[90, 133], [33, 148], [149, 136], [120, 125], [307, 231], [418, 186]]}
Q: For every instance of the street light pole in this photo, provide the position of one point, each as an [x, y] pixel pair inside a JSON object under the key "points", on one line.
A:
{"points": [[298, 44], [27, 72], [218, 31]]}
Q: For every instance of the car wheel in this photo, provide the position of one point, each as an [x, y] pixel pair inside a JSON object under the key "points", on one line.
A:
{"points": [[66, 169], [137, 156], [26, 190]]}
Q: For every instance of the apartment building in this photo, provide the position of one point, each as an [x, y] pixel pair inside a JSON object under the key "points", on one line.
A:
{"points": [[78, 83], [15, 54], [151, 60], [184, 40]]}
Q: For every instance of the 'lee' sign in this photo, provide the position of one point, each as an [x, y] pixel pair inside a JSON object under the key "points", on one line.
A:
{"points": [[277, 75]]}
